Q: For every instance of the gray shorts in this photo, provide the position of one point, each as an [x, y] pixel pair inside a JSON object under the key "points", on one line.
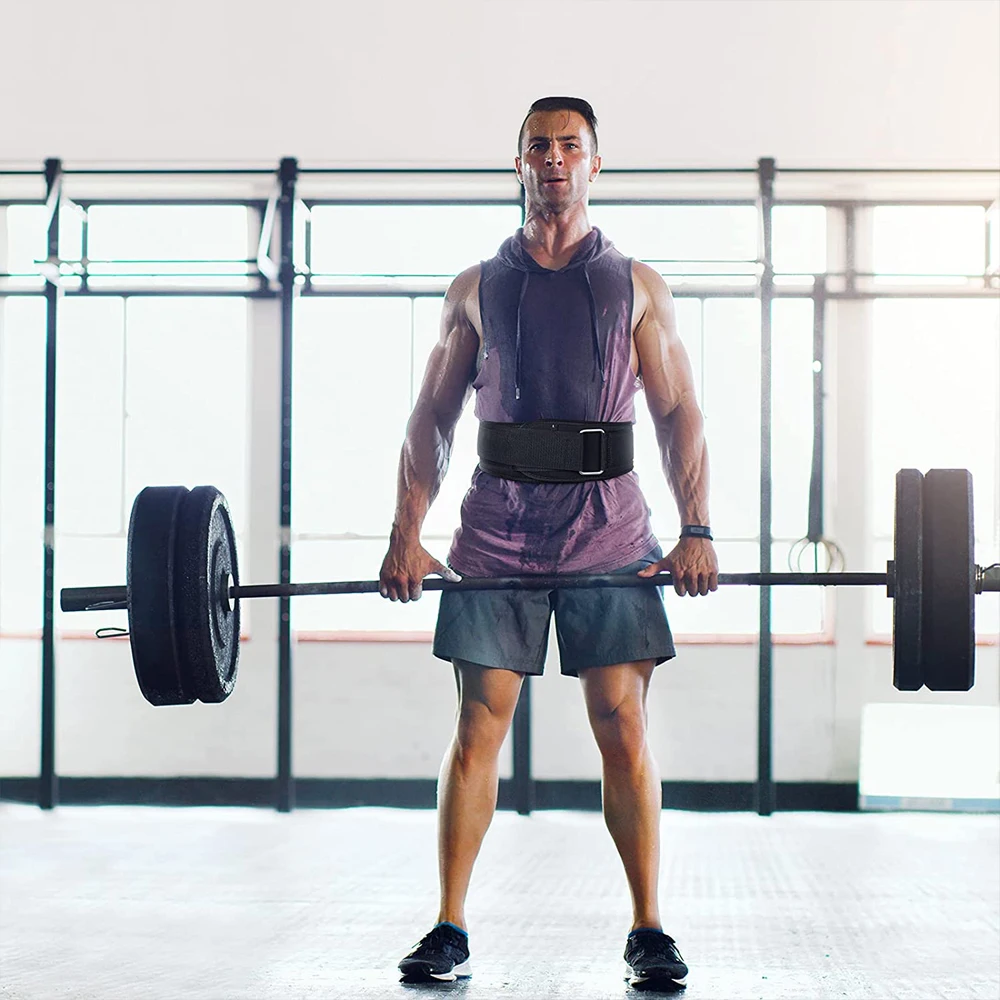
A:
{"points": [[595, 628]]}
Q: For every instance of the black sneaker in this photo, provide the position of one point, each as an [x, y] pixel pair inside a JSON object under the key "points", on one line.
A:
{"points": [[651, 954], [443, 953]]}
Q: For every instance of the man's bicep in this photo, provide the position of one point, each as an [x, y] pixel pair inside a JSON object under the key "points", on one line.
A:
{"points": [[451, 364], [663, 359]]}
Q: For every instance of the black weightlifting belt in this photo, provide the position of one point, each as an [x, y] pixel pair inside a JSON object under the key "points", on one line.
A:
{"points": [[555, 451]]}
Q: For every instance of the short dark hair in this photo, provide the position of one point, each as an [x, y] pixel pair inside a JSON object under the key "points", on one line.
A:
{"points": [[577, 104]]}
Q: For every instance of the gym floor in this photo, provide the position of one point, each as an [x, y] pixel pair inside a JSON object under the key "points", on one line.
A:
{"points": [[141, 903]]}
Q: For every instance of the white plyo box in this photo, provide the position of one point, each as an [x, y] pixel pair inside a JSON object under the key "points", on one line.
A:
{"points": [[930, 757]]}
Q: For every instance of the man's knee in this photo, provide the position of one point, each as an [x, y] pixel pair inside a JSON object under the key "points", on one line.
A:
{"points": [[488, 698], [620, 732], [479, 729]]}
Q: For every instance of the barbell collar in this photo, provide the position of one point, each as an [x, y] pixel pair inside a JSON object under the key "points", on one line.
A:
{"points": [[93, 598], [988, 579]]}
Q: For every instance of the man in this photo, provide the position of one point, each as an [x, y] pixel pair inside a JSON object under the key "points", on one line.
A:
{"points": [[555, 334]]}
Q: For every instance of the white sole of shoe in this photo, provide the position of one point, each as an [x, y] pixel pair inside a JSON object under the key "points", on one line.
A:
{"points": [[462, 971], [636, 980]]}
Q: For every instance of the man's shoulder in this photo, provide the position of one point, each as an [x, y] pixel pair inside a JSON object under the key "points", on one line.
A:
{"points": [[645, 275], [465, 285]]}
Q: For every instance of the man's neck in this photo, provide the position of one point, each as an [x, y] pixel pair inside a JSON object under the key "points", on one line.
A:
{"points": [[551, 238]]}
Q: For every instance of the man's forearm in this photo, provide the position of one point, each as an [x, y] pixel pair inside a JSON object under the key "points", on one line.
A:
{"points": [[423, 463], [684, 455]]}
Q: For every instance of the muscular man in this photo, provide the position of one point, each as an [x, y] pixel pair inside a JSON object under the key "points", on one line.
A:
{"points": [[555, 334]]}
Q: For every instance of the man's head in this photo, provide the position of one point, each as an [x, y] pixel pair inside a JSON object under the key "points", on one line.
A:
{"points": [[557, 152]]}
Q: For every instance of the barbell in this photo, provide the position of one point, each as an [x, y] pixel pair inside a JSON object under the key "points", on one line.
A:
{"points": [[183, 592]]}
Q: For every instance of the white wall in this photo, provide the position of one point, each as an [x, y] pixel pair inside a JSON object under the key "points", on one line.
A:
{"points": [[446, 82], [845, 82]]}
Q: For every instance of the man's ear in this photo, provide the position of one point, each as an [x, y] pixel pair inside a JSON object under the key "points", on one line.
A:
{"points": [[595, 167]]}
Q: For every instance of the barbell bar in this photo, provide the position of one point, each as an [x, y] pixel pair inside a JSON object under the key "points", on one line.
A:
{"points": [[183, 592], [116, 598]]}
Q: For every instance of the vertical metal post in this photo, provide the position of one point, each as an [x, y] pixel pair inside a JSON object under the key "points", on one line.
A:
{"points": [[765, 781], [285, 797], [850, 250], [48, 782], [524, 783], [816, 490]]}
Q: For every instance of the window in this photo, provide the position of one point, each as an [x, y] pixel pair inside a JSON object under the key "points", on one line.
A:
{"points": [[935, 394], [27, 240], [912, 242], [380, 240], [139, 402], [155, 244], [716, 242], [175, 244], [349, 426], [22, 462]]}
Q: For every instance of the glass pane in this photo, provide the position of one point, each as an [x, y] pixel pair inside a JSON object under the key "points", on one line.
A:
{"points": [[945, 352], [993, 221], [680, 232], [185, 396], [798, 234], [936, 239], [407, 239], [22, 462], [936, 404], [648, 464], [792, 417], [352, 401], [444, 515], [730, 610], [90, 416], [353, 560], [27, 237], [795, 610], [168, 232], [732, 414]]}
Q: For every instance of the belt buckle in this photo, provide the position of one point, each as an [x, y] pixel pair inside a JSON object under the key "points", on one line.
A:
{"points": [[595, 430]]}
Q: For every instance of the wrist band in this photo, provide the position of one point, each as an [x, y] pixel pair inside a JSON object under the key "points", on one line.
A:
{"points": [[696, 531]]}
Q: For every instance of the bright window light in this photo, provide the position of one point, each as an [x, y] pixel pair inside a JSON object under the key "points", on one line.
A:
{"points": [[186, 396], [653, 233], [407, 239], [352, 374], [22, 463], [936, 404], [929, 240], [27, 237], [798, 239]]}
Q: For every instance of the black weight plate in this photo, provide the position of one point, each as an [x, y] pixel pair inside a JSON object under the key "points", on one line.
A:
{"points": [[151, 613], [908, 588], [949, 636], [208, 623]]}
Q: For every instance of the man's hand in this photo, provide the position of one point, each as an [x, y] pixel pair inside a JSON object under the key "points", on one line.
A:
{"points": [[693, 565], [404, 568]]}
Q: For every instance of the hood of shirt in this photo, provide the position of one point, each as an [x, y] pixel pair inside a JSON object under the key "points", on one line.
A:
{"points": [[513, 254]]}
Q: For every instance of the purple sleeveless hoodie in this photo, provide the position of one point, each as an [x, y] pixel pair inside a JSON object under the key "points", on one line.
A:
{"points": [[556, 346]]}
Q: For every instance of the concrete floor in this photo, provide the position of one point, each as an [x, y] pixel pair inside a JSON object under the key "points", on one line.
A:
{"points": [[144, 903]]}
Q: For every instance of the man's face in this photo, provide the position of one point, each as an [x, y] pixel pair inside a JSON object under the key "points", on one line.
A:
{"points": [[557, 163]]}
